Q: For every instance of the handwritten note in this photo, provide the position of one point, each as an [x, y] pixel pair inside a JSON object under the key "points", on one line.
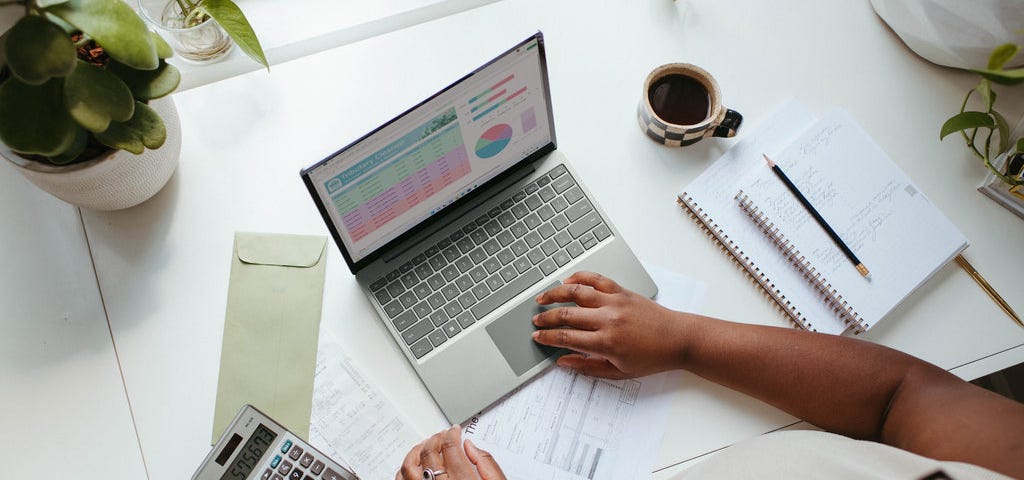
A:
{"points": [[878, 211], [873, 206]]}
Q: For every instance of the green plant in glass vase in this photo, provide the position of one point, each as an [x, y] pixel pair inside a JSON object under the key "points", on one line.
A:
{"points": [[984, 130], [203, 30]]}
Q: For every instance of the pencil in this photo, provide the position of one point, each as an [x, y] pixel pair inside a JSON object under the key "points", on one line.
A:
{"points": [[817, 217]]}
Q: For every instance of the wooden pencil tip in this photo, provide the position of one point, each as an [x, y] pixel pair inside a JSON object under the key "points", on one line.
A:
{"points": [[771, 164]]}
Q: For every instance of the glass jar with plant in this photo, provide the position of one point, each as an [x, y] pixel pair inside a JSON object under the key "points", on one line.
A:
{"points": [[203, 30]]}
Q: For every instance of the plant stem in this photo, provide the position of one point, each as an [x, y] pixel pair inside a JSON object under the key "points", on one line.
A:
{"points": [[181, 5], [988, 143]]}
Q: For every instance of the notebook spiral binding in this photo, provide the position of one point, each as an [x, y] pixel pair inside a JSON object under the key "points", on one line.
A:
{"points": [[831, 297], [743, 261]]}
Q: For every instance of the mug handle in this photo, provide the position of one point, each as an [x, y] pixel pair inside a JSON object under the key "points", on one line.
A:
{"points": [[730, 124]]}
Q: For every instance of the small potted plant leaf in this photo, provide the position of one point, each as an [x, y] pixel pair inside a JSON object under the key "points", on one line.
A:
{"points": [[84, 106], [203, 30], [987, 134]]}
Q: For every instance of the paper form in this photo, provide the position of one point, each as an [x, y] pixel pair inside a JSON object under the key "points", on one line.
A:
{"points": [[351, 421], [567, 426]]}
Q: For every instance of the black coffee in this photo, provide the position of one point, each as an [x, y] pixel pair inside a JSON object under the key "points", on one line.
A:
{"points": [[679, 99]]}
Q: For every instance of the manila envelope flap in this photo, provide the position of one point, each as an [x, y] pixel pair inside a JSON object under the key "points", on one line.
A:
{"points": [[271, 328]]}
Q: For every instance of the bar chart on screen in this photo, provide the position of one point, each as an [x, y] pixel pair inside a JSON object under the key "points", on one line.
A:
{"points": [[505, 95]]}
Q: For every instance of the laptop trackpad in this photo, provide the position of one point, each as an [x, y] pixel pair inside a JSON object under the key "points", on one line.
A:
{"points": [[512, 334]]}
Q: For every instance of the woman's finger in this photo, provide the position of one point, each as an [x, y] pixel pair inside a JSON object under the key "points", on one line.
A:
{"points": [[578, 293], [590, 366], [486, 466], [575, 317], [430, 453], [596, 280], [578, 340], [411, 469], [455, 461]]}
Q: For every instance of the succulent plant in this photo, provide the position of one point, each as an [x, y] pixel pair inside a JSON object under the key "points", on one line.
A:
{"points": [[76, 76]]}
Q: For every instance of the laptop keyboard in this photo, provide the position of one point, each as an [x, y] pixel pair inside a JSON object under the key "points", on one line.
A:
{"points": [[489, 260]]}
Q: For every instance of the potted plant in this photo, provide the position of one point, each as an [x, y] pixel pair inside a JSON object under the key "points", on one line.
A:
{"points": [[987, 134], [84, 112]]}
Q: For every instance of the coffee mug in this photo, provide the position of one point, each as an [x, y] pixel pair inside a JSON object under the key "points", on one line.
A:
{"points": [[682, 104]]}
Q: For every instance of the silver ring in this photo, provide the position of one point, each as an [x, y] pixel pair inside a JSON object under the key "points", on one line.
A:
{"points": [[431, 474]]}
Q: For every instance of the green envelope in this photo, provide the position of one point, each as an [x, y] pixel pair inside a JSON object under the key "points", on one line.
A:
{"points": [[271, 329]]}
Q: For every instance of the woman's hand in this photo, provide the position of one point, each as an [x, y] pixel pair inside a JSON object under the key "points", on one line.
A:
{"points": [[619, 333], [445, 452]]}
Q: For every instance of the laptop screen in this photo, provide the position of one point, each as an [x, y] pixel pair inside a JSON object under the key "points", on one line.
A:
{"points": [[414, 166]]}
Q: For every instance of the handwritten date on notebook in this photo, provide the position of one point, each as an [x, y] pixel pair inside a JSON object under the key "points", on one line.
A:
{"points": [[872, 205]]}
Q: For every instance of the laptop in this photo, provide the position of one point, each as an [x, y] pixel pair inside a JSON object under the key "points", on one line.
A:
{"points": [[454, 215]]}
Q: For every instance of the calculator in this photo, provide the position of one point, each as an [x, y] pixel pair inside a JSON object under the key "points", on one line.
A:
{"points": [[254, 447]]}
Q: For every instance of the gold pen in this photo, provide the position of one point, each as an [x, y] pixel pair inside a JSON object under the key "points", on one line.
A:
{"points": [[960, 260]]}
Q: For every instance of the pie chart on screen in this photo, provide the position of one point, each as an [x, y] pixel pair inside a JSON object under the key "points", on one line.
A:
{"points": [[493, 141]]}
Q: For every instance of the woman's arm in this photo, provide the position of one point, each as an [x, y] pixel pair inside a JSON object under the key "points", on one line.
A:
{"points": [[843, 385]]}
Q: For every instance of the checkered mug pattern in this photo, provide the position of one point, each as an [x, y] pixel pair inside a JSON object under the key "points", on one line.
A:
{"points": [[682, 104]]}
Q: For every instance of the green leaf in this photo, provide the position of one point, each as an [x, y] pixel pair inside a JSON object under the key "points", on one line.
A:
{"points": [[94, 97], [163, 50], [33, 119], [49, 3], [1001, 55], [965, 121], [229, 16], [76, 148], [148, 84], [37, 50], [1004, 131], [1020, 145], [144, 130], [115, 27], [1003, 77]]}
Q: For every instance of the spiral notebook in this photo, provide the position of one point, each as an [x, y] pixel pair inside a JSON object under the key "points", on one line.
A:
{"points": [[885, 219]]}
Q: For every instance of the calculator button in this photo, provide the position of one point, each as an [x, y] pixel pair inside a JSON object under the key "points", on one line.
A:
{"points": [[285, 468], [295, 453], [332, 475], [278, 477], [318, 467], [296, 474], [308, 478], [285, 446], [267, 474], [275, 461], [307, 460]]}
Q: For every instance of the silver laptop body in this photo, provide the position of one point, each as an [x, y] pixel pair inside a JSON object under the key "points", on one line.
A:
{"points": [[456, 214]]}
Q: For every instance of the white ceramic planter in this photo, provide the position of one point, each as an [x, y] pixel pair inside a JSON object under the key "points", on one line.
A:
{"points": [[955, 33], [113, 181]]}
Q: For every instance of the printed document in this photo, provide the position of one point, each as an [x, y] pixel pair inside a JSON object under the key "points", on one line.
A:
{"points": [[567, 426], [352, 422]]}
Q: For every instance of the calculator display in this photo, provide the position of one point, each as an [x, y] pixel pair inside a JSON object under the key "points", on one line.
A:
{"points": [[250, 455]]}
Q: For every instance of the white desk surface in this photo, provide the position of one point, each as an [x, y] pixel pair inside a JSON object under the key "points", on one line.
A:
{"points": [[163, 266], [63, 406]]}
